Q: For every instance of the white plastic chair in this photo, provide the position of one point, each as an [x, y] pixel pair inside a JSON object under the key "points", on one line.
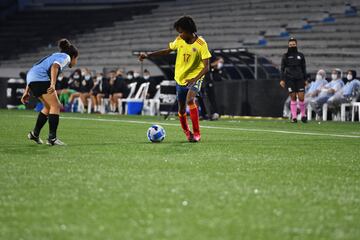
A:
{"points": [[152, 106], [132, 87], [354, 106], [139, 97], [324, 112]]}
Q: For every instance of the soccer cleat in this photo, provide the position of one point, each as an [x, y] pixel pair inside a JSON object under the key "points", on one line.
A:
{"points": [[55, 141], [294, 120], [32, 137], [197, 137], [304, 119], [189, 136]]}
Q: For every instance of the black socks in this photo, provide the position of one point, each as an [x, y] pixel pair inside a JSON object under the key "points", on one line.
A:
{"points": [[53, 124], [40, 122]]}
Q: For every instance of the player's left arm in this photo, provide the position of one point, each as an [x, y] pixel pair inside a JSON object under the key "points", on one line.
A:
{"points": [[204, 71], [303, 66], [25, 97]]}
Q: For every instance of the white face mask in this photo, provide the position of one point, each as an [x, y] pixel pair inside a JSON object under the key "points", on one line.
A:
{"points": [[318, 77], [349, 77], [146, 77], [136, 75], [220, 65], [334, 76], [76, 76], [87, 77], [60, 78], [129, 76]]}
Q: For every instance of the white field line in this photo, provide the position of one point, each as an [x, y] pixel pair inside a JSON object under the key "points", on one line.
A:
{"points": [[213, 127]]}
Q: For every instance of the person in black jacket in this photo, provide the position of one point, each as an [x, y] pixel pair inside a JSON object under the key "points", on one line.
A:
{"points": [[293, 75]]}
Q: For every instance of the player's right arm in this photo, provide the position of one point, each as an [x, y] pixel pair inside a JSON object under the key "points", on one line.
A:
{"points": [[163, 52]]}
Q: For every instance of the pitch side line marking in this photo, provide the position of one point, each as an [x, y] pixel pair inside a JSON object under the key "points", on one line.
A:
{"points": [[213, 127]]}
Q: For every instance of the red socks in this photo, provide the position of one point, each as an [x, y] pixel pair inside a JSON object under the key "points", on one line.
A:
{"points": [[183, 122], [194, 115]]}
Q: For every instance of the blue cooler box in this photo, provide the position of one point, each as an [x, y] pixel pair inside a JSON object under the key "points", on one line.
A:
{"points": [[135, 107]]}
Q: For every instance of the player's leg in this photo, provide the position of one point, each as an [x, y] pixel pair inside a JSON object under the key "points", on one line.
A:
{"points": [[301, 97], [40, 122], [300, 89], [290, 85], [181, 93], [52, 100], [194, 112]]}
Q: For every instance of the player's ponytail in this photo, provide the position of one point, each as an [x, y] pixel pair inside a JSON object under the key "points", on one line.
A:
{"points": [[66, 47]]}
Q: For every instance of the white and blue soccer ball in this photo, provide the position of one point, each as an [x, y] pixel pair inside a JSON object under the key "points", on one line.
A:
{"points": [[156, 133]]}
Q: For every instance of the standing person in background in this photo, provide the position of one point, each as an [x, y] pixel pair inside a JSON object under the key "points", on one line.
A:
{"points": [[41, 82], [293, 74]]}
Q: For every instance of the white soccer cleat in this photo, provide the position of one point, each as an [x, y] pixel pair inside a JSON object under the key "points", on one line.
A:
{"points": [[55, 141], [32, 137]]}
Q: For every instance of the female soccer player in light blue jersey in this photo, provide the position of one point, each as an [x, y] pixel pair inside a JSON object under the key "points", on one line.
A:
{"points": [[41, 80]]}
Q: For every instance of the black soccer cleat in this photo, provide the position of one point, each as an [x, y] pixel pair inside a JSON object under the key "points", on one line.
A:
{"points": [[34, 138], [304, 119], [55, 141], [294, 120]]}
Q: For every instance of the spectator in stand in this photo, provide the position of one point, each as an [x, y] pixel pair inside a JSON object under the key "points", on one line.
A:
{"points": [[129, 77], [100, 91], [347, 93], [329, 90]]}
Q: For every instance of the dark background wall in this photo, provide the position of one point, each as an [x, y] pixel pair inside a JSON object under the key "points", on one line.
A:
{"points": [[250, 98]]}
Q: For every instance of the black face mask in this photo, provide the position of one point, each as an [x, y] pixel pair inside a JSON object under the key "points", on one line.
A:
{"points": [[292, 50]]}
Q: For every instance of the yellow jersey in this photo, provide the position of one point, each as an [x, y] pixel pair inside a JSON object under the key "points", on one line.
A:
{"points": [[189, 58]]}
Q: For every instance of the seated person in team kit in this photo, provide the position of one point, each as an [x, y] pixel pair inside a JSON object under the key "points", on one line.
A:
{"points": [[41, 83], [62, 84], [293, 74], [100, 91], [347, 93], [82, 82], [315, 87], [329, 90], [118, 89]]}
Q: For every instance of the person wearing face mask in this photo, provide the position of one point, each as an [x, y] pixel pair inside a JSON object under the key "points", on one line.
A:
{"points": [[86, 85], [315, 87], [152, 86], [328, 90], [61, 87], [119, 88], [100, 90], [138, 79], [347, 93], [293, 74], [74, 86]]}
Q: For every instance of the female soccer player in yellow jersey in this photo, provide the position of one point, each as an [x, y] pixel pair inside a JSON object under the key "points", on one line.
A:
{"points": [[192, 63]]}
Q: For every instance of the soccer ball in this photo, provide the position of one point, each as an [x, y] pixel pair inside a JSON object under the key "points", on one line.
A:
{"points": [[156, 133]]}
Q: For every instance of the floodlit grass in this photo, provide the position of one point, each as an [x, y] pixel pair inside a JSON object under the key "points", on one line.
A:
{"points": [[246, 179]]}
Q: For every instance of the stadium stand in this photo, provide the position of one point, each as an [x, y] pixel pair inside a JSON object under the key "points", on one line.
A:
{"points": [[328, 37]]}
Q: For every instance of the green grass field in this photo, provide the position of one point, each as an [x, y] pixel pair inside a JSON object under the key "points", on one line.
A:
{"points": [[247, 179]]}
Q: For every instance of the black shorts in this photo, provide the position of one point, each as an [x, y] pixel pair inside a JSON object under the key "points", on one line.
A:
{"points": [[293, 85], [39, 88]]}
